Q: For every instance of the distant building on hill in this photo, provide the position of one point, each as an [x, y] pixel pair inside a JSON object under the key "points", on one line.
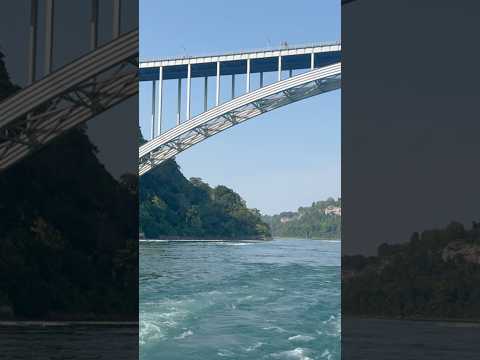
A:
{"points": [[287, 216], [333, 210]]}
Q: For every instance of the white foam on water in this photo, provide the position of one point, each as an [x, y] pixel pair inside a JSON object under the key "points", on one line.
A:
{"points": [[184, 335], [275, 328], [304, 338], [152, 240], [225, 353], [244, 299], [254, 346], [326, 354], [227, 243], [295, 354], [157, 320], [330, 319], [333, 326], [149, 332]]}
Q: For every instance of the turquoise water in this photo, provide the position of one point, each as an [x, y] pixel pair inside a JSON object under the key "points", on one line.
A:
{"points": [[224, 300]]}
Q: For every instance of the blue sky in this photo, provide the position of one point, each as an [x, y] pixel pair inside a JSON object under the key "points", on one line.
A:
{"points": [[281, 160]]}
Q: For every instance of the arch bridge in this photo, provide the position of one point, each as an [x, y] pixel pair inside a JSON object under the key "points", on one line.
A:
{"points": [[300, 72], [56, 100]]}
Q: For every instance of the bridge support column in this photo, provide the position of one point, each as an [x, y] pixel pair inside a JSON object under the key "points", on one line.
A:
{"points": [[279, 68], [94, 25], [189, 83], [49, 13], [248, 75], [261, 79], [290, 73], [233, 86], [159, 101], [32, 51], [312, 60], [205, 97], [154, 101], [217, 94], [179, 102], [116, 18]]}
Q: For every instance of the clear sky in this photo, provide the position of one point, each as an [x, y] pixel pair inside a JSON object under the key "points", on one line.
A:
{"points": [[281, 160]]}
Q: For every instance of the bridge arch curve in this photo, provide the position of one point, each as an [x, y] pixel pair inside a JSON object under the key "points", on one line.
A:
{"points": [[236, 111], [68, 97], [56, 100]]}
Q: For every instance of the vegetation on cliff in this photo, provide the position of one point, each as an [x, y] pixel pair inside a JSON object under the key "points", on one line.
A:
{"points": [[434, 275], [172, 206], [322, 220]]}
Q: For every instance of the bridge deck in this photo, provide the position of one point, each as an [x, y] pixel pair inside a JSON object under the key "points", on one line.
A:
{"points": [[293, 58]]}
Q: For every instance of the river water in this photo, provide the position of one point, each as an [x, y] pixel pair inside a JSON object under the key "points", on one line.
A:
{"points": [[62, 341], [240, 300], [376, 339]]}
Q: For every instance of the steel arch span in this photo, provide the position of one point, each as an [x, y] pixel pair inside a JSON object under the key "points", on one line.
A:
{"points": [[236, 111], [67, 97]]}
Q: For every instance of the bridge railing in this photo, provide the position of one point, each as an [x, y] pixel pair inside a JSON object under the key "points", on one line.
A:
{"points": [[247, 51]]}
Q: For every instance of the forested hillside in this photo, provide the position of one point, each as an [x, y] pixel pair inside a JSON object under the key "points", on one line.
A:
{"points": [[321, 220], [173, 207], [434, 275]]}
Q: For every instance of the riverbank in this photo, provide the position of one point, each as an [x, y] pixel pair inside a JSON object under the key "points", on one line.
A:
{"points": [[299, 238], [208, 238]]}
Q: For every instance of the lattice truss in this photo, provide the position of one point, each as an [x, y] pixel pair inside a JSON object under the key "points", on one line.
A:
{"points": [[234, 117], [74, 106]]}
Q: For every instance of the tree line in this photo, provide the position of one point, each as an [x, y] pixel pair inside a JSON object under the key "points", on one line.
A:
{"points": [[433, 275], [314, 222], [172, 206]]}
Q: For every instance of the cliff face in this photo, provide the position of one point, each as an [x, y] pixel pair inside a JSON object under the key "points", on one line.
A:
{"points": [[468, 252]]}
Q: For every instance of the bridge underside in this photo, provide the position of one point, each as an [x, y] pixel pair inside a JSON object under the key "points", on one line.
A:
{"points": [[237, 111], [68, 97], [237, 67]]}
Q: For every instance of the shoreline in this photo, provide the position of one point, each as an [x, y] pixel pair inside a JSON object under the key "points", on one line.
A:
{"points": [[209, 239], [203, 240], [196, 238], [299, 238]]}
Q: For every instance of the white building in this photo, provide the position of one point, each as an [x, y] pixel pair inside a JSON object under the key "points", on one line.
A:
{"points": [[333, 210]]}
